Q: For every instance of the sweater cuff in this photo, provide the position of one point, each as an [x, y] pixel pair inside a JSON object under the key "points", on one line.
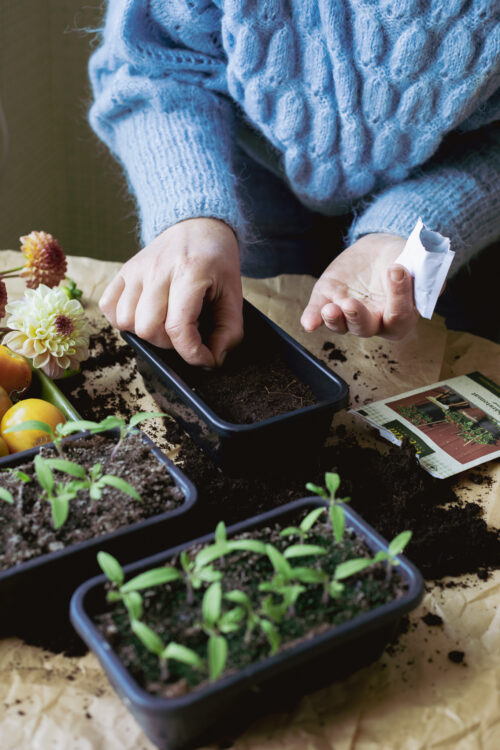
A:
{"points": [[461, 202], [178, 166]]}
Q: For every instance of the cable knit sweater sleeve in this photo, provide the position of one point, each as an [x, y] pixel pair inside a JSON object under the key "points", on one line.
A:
{"points": [[457, 193], [158, 109]]}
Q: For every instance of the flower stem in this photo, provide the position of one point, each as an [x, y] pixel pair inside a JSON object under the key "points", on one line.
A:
{"points": [[12, 270]]}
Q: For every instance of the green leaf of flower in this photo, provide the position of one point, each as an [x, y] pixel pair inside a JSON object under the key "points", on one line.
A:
{"points": [[271, 633], [309, 575], [247, 545], [290, 531], [220, 533], [337, 517], [239, 597], [111, 567]]}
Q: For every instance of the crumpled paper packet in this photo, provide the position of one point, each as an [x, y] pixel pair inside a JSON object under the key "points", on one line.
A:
{"points": [[427, 256]]}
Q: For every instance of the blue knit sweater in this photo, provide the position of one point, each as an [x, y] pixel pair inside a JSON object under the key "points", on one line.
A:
{"points": [[351, 101]]}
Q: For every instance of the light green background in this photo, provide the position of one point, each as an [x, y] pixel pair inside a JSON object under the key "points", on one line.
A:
{"points": [[58, 176]]}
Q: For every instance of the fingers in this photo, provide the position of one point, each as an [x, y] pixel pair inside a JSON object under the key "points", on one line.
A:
{"points": [[110, 297], [359, 320], [400, 314], [184, 308], [311, 317], [333, 318], [228, 324]]}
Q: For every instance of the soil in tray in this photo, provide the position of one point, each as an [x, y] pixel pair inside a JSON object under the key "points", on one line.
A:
{"points": [[251, 387], [168, 613], [26, 529]]}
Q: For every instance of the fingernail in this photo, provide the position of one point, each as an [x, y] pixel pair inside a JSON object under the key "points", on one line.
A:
{"points": [[397, 274]]}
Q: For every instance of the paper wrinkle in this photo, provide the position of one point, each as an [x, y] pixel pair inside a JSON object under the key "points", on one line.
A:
{"points": [[427, 256], [402, 702]]}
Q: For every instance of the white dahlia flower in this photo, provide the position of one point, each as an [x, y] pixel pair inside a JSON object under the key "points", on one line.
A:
{"points": [[48, 328]]}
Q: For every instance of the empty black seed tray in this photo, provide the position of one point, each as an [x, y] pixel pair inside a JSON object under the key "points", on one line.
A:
{"points": [[222, 708], [266, 445]]}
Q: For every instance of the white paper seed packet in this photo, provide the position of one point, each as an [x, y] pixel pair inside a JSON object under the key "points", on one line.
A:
{"points": [[427, 256], [454, 425]]}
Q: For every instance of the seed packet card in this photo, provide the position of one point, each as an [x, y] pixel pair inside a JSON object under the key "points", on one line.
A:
{"points": [[454, 424]]}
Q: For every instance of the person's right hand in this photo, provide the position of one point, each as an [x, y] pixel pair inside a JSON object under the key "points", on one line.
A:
{"points": [[159, 293]]}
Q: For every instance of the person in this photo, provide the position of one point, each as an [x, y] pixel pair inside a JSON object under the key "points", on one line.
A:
{"points": [[251, 131]]}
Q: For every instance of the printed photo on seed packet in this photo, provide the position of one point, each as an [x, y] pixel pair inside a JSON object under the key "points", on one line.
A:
{"points": [[454, 425]]}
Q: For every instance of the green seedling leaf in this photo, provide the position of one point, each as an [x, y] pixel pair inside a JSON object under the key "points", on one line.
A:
{"points": [[350, 568], [210, 553], [31, 424], [108, 423], [6, 495], [317, 489], [120, 484], [247, 545], [337, 517], [111, 567], [290, 531], [217, 656], [18, 474], [399, 543], [183, 654], [332, 482], [271, 634], [335, 589], [381, 556], [114, 596], [278, 561], [211, 604], [309, 575], [148, 637], [145, 415], [239, 597], [133, 603], [311, 518], [230, 621], [303, 550], [81, 425], [44, 474], [209, 574], [68, 467], [155, 577], [220, 533], [60, 509]]}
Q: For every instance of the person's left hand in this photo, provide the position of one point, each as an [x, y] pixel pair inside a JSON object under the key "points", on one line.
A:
{"points": [[364, 292]]}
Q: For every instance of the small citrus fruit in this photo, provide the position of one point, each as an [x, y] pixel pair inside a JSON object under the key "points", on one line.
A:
{"points": [[29, 408], [4, 448], [5, 402], [15, 370]]}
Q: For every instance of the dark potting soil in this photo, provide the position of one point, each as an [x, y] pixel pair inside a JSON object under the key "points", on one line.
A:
{"points": [[26, 528], [391, 491], [249, 388], [170, 615]]}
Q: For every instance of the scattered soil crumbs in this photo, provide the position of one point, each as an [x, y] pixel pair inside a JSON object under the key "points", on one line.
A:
{"points": [[432, 620], [26, 529], [334, 353], [457, 657], [169, 614]]}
